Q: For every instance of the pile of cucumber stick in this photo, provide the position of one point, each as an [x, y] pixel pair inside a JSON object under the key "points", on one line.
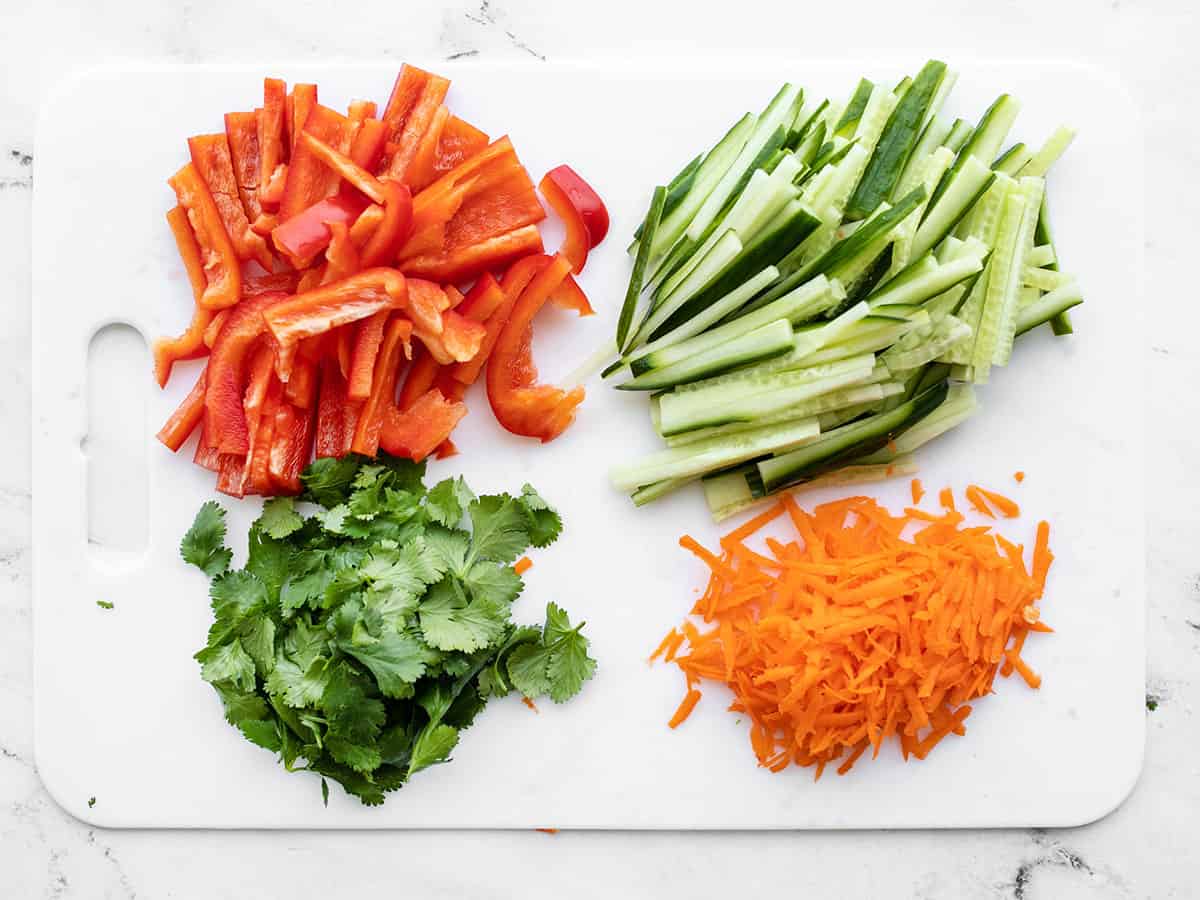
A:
{"points": [[815, 297]]}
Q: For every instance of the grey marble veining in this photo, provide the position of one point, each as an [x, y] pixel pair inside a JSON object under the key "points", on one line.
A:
{"points": [[1145, 849]]}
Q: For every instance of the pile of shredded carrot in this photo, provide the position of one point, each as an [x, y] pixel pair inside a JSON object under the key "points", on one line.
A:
{"points": [[865, 626]]}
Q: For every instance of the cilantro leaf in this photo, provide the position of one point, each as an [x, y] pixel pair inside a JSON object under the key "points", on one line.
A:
{"points": [[227, 663], [360, 757], [204, 544], [263, 732], [268, 561], [527, 669], [433, 745], [296, 686], [394, 659], [448, 548], [257, 635], [545, 524], [104, 604], [499, 526], [498, 585], [306, 585], [448, 500], [450, 622], [279, 518], [327, 481], [351, 713], [240, 705], [557, 665]]}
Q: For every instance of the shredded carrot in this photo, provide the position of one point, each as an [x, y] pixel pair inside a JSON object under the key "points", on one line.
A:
{"points": [[1006, 507], [978, 501], [547, 830], [1019, 476], [918, 490], [946, 498], [523, 565], [859, 627], [529, 703]]}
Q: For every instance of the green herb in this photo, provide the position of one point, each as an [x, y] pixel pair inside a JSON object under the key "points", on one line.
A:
{"points": [[91, 802], [104, 604], [360, 641]]}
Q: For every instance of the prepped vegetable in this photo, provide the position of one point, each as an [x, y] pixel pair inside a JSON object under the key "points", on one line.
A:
{"points": [[820, 292], [361, 640], [378, 224], [853, 626]]}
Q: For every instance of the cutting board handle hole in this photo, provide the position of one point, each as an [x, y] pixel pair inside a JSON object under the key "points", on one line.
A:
{"points": [[118, 493]]}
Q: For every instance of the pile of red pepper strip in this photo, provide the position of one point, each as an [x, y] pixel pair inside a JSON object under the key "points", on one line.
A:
{"points": [[352, 275]]}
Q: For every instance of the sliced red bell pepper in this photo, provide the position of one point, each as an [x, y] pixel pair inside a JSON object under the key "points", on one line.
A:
{"points": [[225, 417], [185, 419], [211, 157], [426, 303], [366, 223], [269, 284], [236, 473], [214, 328], [483, 299], [190, 344], [339, 303], [343, 350], [330, 439], [231, 474], [420, 378], [368, 337], [367, 147], [487, 256], [394, 228], [459, 141], [341, 256], [410, 82], [309, 179], [301, 387], [501, 201], [421, 170], [300, 105], [189, 250], [581, 196], [360, 110], [206, 456], [452, 389], [418, 431], [222, 272], [454, 295], [303, 236], [272, 148], [258, 460], [345, 167], [291, 446], [458, 341], [406, 136], [446, 449], [383, 389], [520, 404], [241, 131], [569, 295], [514, 282], [500, 150]]}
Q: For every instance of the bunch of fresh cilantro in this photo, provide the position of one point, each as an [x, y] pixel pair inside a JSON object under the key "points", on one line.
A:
{"points": [[359, 642]]}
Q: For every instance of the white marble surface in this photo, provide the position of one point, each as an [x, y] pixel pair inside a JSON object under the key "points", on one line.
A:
{"points": [[1145, 849]]}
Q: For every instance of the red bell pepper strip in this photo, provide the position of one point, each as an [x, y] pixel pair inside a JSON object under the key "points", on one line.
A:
{"points": [[383, 387], [465, 263], [222, 272], [291, 447], [520, 404], [360, 110], [501, 200], [231, 474], [211, 157], [454, 295], [330, 437], [214, 328], [421, 429], [271, 147], [341, 256], [421, 170], [190, 344], [272, 283], [241, 131], [394, 228], [309, 180], [344, 350], [225, 417], [301, 387], [185, 419], [576, 240], [420, 378], [451, 388], [366, 223], [459, 340], [580, 195], [235, 472], [206, 456], [410, 82], [459, 141], [446, 449], [303, 236], [339, 303], [300, 104], [343, 166], [407, 137], [368, 337], [258, 461], [367, 147], [500, 150], [426, 303], [569, 295], [483, 299], [514, 282]]}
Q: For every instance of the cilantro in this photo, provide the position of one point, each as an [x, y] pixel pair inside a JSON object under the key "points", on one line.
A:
{"points": [[91, 802], [361, 640], [204, 544], [104, 604]]}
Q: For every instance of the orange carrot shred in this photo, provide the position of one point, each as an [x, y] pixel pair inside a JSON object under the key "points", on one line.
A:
{"points": [[978, 501], [523, 565], [918, 491], [547, 830], [1019, 476], [861, 627], [1007, 508], [529, 703]]}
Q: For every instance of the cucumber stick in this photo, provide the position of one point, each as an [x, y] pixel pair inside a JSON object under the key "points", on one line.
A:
{"points": [[766, 342]]}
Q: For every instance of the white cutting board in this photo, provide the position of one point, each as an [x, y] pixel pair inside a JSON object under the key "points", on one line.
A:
{"points": [[121, 713]]}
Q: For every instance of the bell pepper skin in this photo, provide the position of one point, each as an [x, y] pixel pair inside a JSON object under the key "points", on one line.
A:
{"points": [[211, 157], [303, 236], [368, 338], [299, 106], [487, 256], [241, 131], [420, 171], [421, 429], [206, 456], [272, 147], [583, 198], [190, 344], [184, 420], [495, 207], [343, 166], [257, 473], [236, 473], [341, 256], [383, 388], [576, 240], [222, 272], [214, 328], [365, 225], [309, 179], [520, 404], [406, 136], [291, 447], [459, 141], [394, 228], [483, 299], [225, 417], [271, 283], [189, 250], [368, 147], [410, 82], [420, 378], [569, 295], [360, 110], [330, 437], [339, 303], [231, 474], [301, 388]]}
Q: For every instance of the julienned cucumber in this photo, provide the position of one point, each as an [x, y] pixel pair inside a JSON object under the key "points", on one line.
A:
{"points": [[813, 297]]}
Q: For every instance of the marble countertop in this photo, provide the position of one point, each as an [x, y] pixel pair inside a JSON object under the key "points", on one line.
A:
{"points": [[1144, 849]]}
